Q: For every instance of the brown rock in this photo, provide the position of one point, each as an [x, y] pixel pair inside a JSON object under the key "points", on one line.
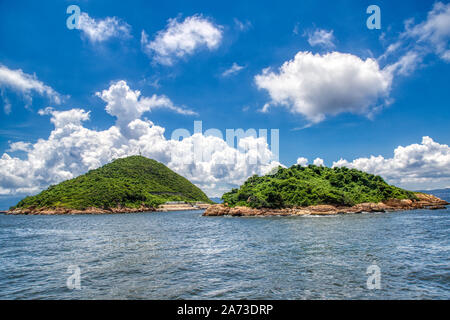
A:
{"points": [[370, 207], [322, 209], [92, 210], [425, 201], [217, 210]]}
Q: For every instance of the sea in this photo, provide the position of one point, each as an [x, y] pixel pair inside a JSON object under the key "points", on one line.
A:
{"points": [[183, 255]]}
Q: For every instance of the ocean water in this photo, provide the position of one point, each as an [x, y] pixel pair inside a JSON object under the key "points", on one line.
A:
{"points": [[182, 255]]}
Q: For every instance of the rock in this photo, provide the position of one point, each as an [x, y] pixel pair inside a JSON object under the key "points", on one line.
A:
{"points": [[430, 199], [323, 209], [217, 210], [437, 207], [243, 211], [370, 207], [91, 210], [301, 212], [425, 201]]}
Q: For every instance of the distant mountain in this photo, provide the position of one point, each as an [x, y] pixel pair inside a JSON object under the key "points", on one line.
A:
{"points": [[7, 201], [129, 182], [216, 200], [313, 185]]}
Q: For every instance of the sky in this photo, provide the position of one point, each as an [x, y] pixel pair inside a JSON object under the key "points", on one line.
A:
{"points": [[168, 79]]}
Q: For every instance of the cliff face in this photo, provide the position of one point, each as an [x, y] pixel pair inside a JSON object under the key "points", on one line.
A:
{"points": [[424, 201]]}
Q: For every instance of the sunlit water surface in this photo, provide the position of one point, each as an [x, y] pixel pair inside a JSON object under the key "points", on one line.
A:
{"points": [[182, 255]]}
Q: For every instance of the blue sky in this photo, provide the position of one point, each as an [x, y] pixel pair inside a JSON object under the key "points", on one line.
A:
{"points": [[331, 119]]}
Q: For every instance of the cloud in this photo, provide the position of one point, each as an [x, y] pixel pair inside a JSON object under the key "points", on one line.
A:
{"points": [[416, 166], [419, 40], [66, 119], [19, 146], [126, 104], [72, 149], [318, 162], [24, 84], [234, 69], [317, 85], [6, 103], [302, 161], [320, 37], [406, 64], [434, 32], [296, 27], [181, 39], [103, 29], [7, 106], [242, 26]]}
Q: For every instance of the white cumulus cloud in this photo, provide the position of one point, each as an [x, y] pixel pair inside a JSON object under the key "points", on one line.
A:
{"points": [[302, 161], [181, 39], [99, 30], [318, 162], [126, 104], [72, 149], [416, 166], [317, 85]]}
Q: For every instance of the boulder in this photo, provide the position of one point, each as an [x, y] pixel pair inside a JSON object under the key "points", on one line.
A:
{"points": [[217, 210]]}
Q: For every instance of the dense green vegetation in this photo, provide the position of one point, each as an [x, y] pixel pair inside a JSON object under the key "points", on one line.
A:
{"points": [[312, 185], [127, 182]]}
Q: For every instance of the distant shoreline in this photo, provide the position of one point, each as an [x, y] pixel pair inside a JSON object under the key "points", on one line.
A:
{"points": [[426, 201], [96, 211]]}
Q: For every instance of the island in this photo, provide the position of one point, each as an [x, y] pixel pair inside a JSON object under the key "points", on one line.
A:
{"points": [[126, 185], [318, 190]]}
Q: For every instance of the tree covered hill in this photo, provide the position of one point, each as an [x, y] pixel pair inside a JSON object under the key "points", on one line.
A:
{"points": [[127, 182], [313, 185]]}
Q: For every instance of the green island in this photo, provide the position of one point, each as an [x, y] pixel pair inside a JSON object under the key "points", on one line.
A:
{"points": [[313, 185], [133, 183], [318, 190], [139, 184]]}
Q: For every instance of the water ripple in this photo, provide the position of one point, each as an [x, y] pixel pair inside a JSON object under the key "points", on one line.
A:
{"points": [[182, 255]]}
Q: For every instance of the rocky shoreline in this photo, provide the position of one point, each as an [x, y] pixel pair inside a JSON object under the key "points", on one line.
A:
{"points": [[66, 211], [183, 207], [94, 210], [425, 201]]}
